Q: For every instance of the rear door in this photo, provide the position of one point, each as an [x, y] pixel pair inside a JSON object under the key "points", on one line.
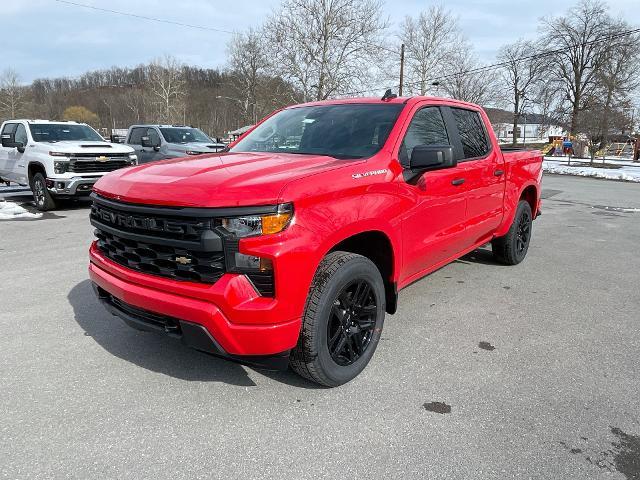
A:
{"points": [[433, 224], [484, 174]]}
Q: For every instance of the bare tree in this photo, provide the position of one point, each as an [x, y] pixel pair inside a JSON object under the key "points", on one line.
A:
{"points": [[546, 97], [249, 62], [618, 76], [519, 75], [12, 93], [463, 82], [167, 84], [325, 47], [580, 38], [429, 42]]}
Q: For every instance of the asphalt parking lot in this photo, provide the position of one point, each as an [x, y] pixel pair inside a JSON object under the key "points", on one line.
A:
{"points": [[539, 364]]}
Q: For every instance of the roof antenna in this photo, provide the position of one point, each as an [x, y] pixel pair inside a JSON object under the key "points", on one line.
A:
{"points": [[388, 95]]}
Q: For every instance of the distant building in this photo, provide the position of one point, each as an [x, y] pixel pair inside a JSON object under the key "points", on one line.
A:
{"points": [[531, 132], [532, 127]]}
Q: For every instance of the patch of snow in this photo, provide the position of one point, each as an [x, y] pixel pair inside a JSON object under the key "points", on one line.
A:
{"points": [[628, 171], [11, 210]]}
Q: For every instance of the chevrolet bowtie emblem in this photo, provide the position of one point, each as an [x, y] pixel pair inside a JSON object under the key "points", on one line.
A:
{"points": [[183, 260], [103, 158]]}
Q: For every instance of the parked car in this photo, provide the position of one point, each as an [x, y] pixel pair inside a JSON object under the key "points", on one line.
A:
{"points": [[275, 253], [158, 142], [57, 160]]}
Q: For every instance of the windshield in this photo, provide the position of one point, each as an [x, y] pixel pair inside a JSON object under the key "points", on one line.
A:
{"points": [[184, 135], [340, 131], [57, 132]]}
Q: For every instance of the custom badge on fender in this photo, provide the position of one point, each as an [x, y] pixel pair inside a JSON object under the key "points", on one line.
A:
{"points": [[369, 174]]}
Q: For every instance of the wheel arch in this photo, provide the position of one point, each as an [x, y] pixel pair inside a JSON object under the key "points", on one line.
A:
{"points": [[530, 194], [33, 168], [377, 247]]}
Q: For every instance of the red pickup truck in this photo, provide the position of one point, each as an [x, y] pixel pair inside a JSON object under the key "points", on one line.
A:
{"points": [[291, 247]]}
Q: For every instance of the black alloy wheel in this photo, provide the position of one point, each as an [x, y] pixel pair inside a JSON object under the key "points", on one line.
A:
{"points": [[353, 318], [524, 232]]}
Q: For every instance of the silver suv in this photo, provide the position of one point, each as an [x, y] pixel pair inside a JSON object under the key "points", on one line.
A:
{"points": [[159, 142]]}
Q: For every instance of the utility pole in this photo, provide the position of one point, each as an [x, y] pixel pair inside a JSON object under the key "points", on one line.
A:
{"points": [[401, 70]]}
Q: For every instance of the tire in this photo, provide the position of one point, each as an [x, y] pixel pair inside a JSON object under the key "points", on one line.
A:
{"points": [[41, 196], [512, 248], [332, 315]]}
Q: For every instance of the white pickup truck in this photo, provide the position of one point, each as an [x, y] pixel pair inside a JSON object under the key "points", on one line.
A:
{"points": [[56, 159]]}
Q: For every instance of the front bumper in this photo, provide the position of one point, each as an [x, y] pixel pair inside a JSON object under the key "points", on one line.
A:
{"points": [[239, 322], [71, 187], [191, 334]]}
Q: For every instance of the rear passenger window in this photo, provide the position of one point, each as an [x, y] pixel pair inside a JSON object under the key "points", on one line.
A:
{"points": [[472, 133], [426, 128], [136, 136]]}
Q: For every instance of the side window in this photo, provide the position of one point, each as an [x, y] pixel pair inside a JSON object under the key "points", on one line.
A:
{"points": [[426, 128], [136, 136], [152, 133], [21, 134], [9, 128], [472, 134]]}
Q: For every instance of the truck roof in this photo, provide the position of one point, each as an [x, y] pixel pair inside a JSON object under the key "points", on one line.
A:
{"points": [[143, 125], [37, 120], [378, 100]]}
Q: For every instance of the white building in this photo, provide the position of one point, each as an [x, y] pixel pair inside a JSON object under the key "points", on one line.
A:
{"points": [[529, 132]]}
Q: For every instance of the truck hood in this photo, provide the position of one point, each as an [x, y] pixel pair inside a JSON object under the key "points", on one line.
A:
{"points": [[67, 146], [217, 180]]}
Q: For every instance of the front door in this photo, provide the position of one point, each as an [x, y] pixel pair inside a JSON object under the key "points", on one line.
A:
{"points": [[433, 224], [150, 154], [12, 163]]}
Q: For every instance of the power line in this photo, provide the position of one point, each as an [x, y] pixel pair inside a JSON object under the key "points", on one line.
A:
{"points": [[152, 19]]}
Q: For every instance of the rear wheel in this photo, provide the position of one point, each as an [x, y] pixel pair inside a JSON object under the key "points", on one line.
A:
{"points": [[512, 248], [342, 322], [43, 199]]}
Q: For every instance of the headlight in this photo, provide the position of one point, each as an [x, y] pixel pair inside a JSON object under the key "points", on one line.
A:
{"points": [[133, 159], [259, 224], [59, 154], [60, 167]]}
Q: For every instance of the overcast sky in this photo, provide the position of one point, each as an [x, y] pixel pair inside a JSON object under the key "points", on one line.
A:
{"points": [[44, 38]]}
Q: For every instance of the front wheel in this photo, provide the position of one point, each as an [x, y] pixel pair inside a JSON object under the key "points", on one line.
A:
{"points": [[43, 199], [342, 322], [512, 248]]}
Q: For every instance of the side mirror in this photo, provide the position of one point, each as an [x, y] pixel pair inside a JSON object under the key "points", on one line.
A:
{"points": [[432, 157], [9, 141], [146, 142]]}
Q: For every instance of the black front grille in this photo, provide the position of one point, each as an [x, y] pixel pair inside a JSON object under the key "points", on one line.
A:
{"points": [[187, 244], [163, 260], [94, 166]]}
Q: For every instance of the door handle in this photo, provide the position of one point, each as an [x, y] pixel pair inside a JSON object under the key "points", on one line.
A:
{"points": [[457, 181], [498, 173]]}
